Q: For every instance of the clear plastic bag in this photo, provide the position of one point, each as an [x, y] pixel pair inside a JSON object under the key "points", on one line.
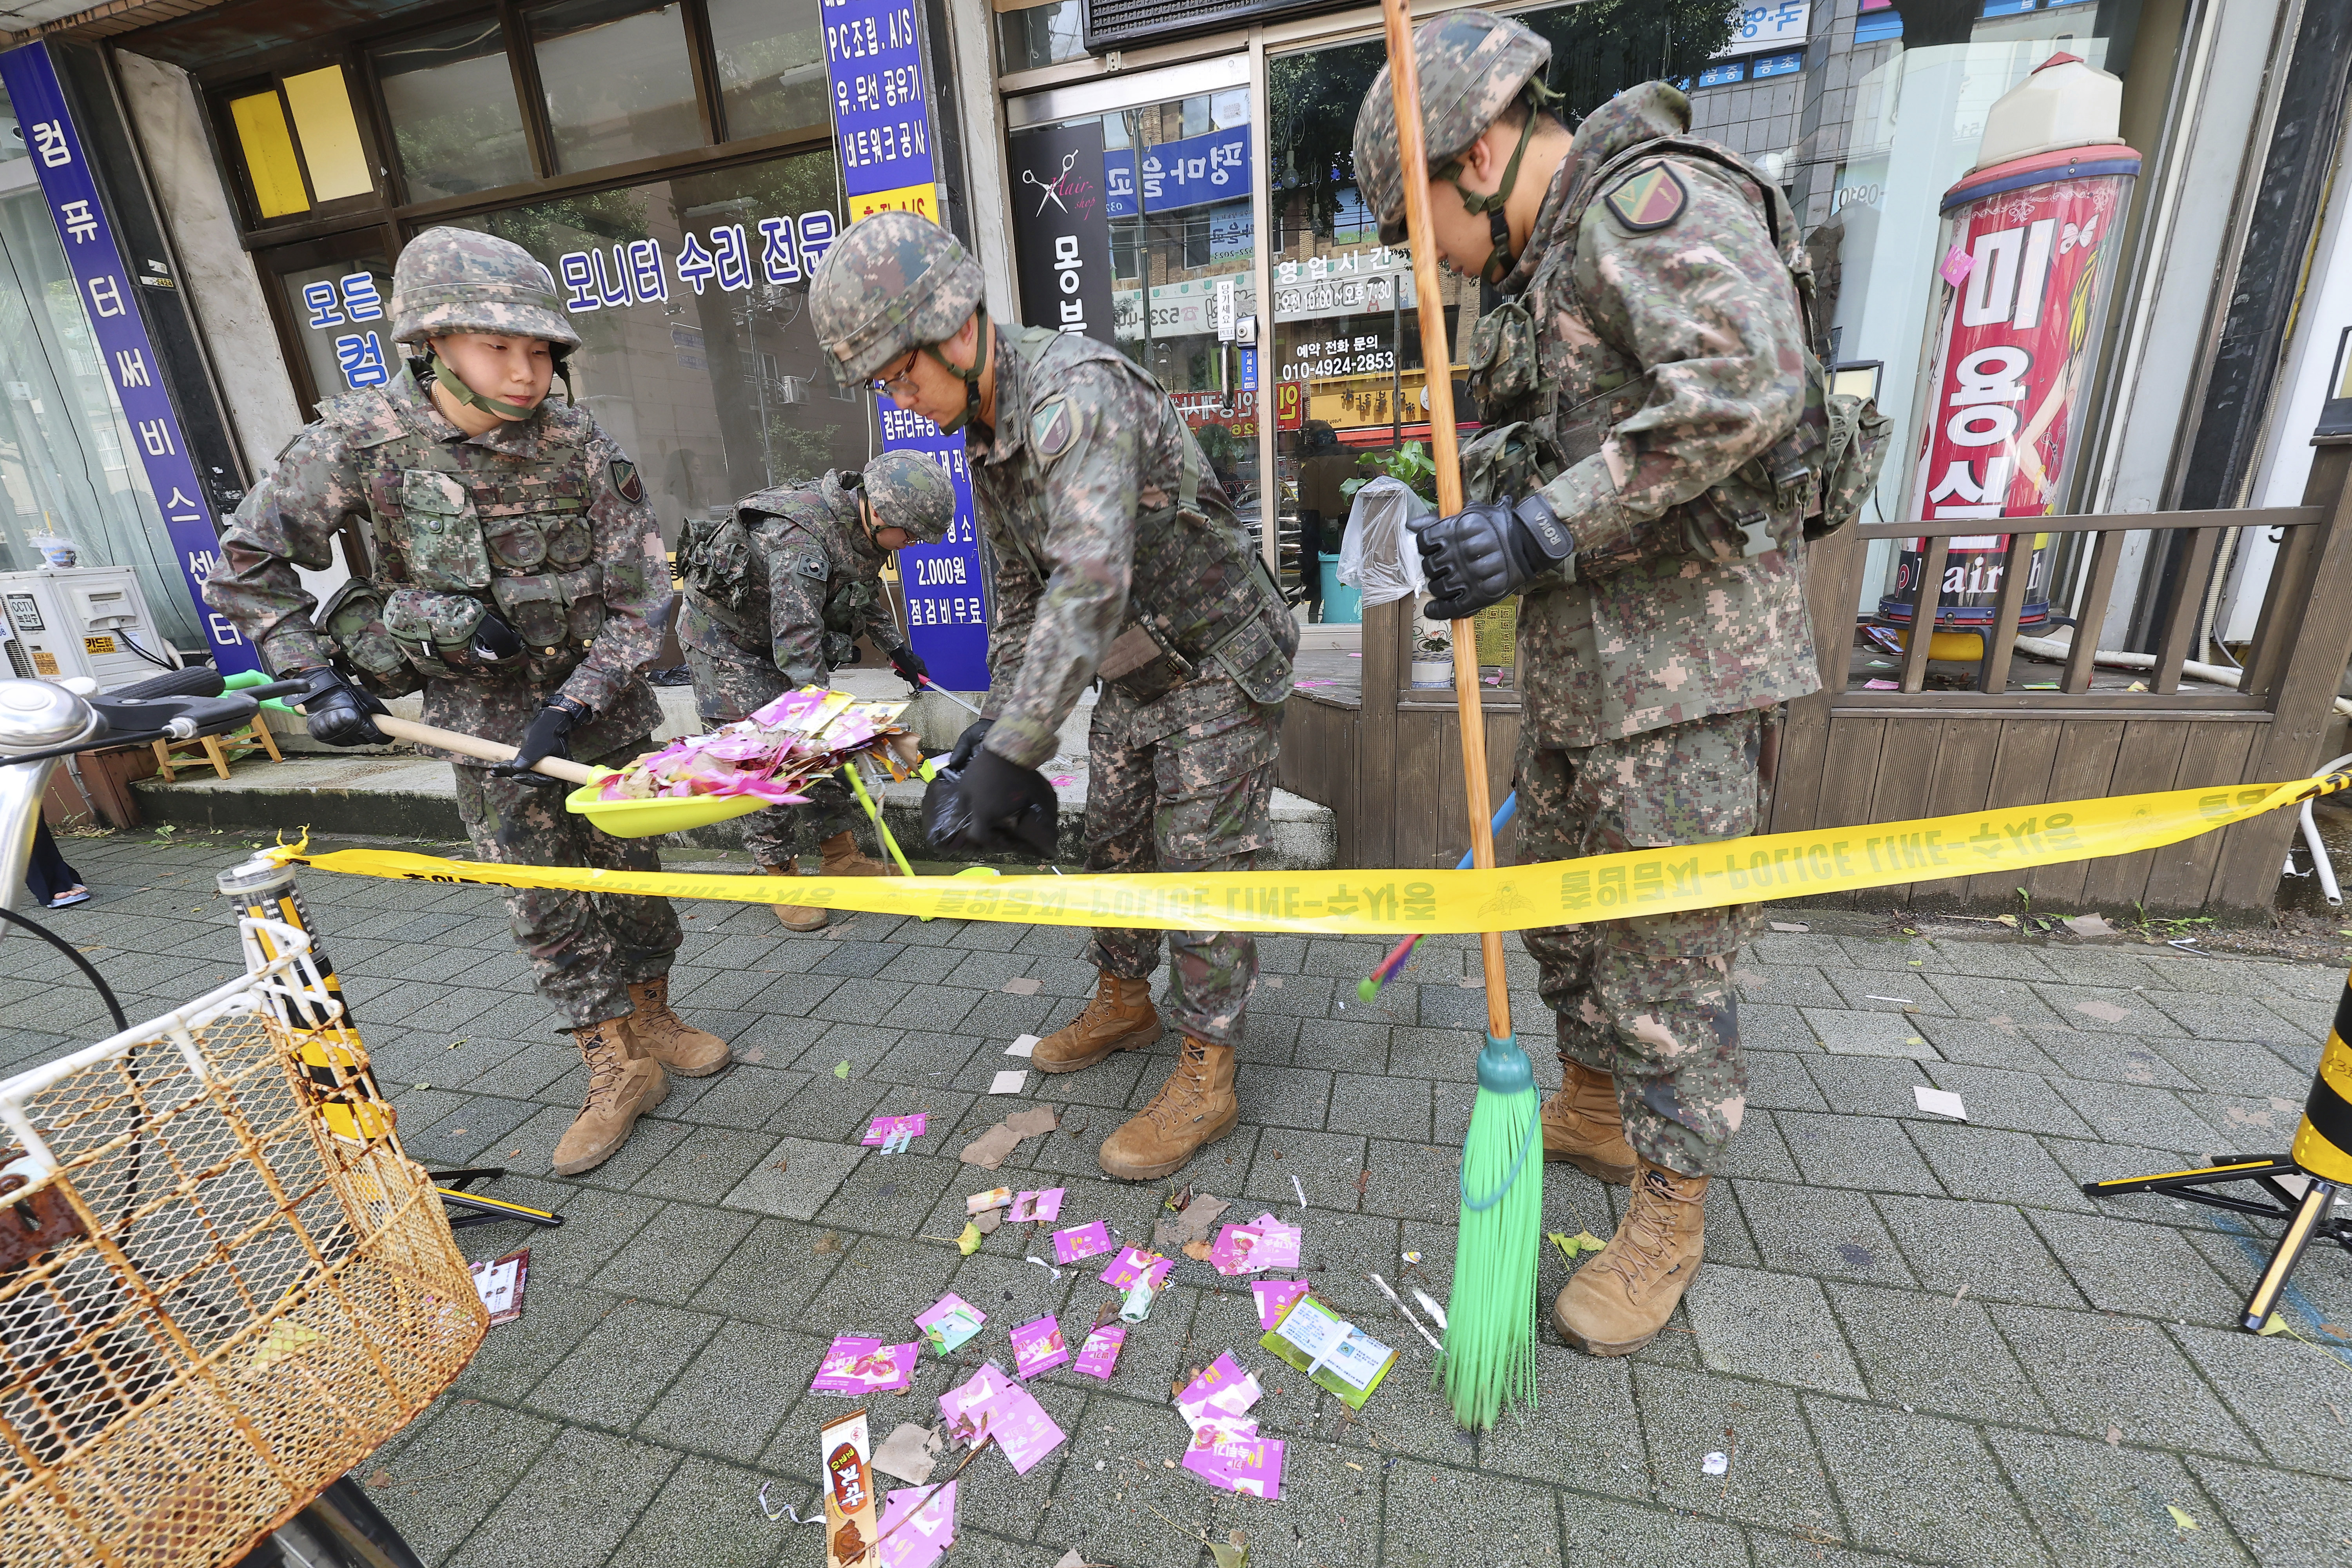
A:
{"points": [[1378, 557]]}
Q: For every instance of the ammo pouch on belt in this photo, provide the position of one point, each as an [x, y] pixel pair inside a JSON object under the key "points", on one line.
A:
{"points": [[435, 631], [554, 613], [1254, 648], [353, 621]]}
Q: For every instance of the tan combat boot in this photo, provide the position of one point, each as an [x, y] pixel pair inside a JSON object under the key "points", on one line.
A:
{"points": [[1120, 1019], [623, 1083], [669, 1039], [797, 917], [842, 857], [1581, 1126], [1617, 1303], [1195, 1106]]}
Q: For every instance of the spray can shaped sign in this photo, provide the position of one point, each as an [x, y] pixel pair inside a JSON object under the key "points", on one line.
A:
{"points": [[2030, 235]]}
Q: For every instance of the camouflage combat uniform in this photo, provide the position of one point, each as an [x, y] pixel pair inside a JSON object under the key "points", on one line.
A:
{"points": [[1119, 556], [1670, 347], [775, 604], [546, 520]]}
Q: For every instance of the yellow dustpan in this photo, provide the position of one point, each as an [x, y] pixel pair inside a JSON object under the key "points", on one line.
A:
{"points": [[621, 818]]}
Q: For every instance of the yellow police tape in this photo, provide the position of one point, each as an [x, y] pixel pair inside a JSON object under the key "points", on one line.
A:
{"points": [[1509, 897]]}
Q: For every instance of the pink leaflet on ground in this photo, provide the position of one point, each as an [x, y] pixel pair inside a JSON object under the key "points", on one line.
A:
{"points": [[879, 1131], [919, 1542], [858, 1366], [1038, 1347], [1099, 1355], [1277, 1244], [1081, 1241], [1012, 1417], [1250, 1466], [1131, 1265], [1276, 1297]]}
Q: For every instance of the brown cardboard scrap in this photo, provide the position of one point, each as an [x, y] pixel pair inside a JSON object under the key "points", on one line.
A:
{"points": [[1196, 1222], [908, 1453]]}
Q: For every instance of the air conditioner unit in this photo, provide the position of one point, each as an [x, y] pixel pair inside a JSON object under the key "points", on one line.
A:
{"points": [[82, 620]]}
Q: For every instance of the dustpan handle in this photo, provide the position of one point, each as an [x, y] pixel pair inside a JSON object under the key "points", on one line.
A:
{"points": [[475, 746]]}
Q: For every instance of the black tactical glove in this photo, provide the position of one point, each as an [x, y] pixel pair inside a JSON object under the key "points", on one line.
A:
{"points": [[967, 744], [1485, 553], [550, 735], [1010, 807], [910, 666], [336, 710]]}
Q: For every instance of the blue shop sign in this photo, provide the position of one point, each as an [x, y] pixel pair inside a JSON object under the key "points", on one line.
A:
{"points": [[881, 114], [1192, 171], [124, 349]]}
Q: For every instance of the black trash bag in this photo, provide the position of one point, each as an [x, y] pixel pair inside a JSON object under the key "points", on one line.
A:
{"points": [[945, 816], [949, 829]]}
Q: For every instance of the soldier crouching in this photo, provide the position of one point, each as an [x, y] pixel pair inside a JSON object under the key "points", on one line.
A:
{"points": [[775, 598], [515, 565]]}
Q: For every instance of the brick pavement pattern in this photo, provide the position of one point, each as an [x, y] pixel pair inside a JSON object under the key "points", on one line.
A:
{"points": [[1915, 1339]]}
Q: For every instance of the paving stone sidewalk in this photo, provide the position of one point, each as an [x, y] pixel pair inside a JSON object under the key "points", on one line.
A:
{"points": [[1914, 1338]]}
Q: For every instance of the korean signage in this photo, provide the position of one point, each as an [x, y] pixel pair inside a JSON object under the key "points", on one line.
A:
{"points": [[107, 300], [1353, 282], [882, 124], [1760, 29], [1061, 235], [2022, 277], [1190, 172]]}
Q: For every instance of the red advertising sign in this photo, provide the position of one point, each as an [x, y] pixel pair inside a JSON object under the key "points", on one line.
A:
{"points": [[2011, 367], [1289, 401]]}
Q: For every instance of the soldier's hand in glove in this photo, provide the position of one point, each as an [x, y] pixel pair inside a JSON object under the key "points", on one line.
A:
{"points": [[1010, 807], [336, 710], [550, 735], [910, 666], [1483, 554], [967, 744]]}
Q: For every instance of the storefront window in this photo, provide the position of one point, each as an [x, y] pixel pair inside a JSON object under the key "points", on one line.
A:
{"points": [[66, 464], [770, 64], [690, 297], [1164, 190], [617, 81], [1041, 33], [450, 96]]}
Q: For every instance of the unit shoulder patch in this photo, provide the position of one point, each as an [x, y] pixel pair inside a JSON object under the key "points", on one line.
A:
{"points": [[1053, 428], [1650, 197], [812, 565], [625, 482]]}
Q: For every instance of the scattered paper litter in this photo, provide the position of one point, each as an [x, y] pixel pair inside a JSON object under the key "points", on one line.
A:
{"points": [[1099, 1355], [1045, 1205], [949, 1322], [1037, 1346], [1224, 1390], [1791, 926], [1196, 1223], [500, 1282], [993, 1147], [988, 1220], [1715, 1464], [919, 1540], [1022, 1047], [908, 1453], [1247, 1466], [883, 1128], [1874, 996], [1274, 1298], [2104, 1012], [1081, 1241], [1008, 1082], [2091, 926], [858, 1366], [1296, 1187], [1134, 1264], [1940, 1102], [1010, 1414], [1264, 1243], [994, 1198], [1022, 987]]}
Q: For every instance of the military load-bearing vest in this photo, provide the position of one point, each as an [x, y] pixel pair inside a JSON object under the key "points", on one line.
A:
{"points": [[1808, 484], [1199, 596], [452, 543], [725, 564]]}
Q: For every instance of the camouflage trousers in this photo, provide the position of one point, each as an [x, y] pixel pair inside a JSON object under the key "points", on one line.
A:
{"points": [[1194, 797], [1649, 1000], [725, 690], [585, 949]]}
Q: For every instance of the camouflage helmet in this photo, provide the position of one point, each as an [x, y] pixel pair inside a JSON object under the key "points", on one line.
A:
{"points": [[911, 490], [892, 283], [1471, 65], [457, 281]]}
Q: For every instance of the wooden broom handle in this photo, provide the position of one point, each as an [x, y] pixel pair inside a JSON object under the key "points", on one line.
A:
{"points": [[1445, 448], [475, 746]]}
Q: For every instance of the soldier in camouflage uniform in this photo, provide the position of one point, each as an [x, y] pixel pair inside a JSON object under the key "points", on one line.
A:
{"points": [[1642, 480], [515, 568], [1118, 558], [776, 596]]}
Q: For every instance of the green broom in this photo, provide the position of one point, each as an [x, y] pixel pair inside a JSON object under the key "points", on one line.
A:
{"points": [[1490, 1322]]}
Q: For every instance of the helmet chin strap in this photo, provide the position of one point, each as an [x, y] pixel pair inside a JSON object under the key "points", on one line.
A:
{"points": [[466, 394], [1500, 260], [970, 378]]}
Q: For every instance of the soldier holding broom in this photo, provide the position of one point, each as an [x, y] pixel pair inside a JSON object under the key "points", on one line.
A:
{"points": [[1644, 391]]}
